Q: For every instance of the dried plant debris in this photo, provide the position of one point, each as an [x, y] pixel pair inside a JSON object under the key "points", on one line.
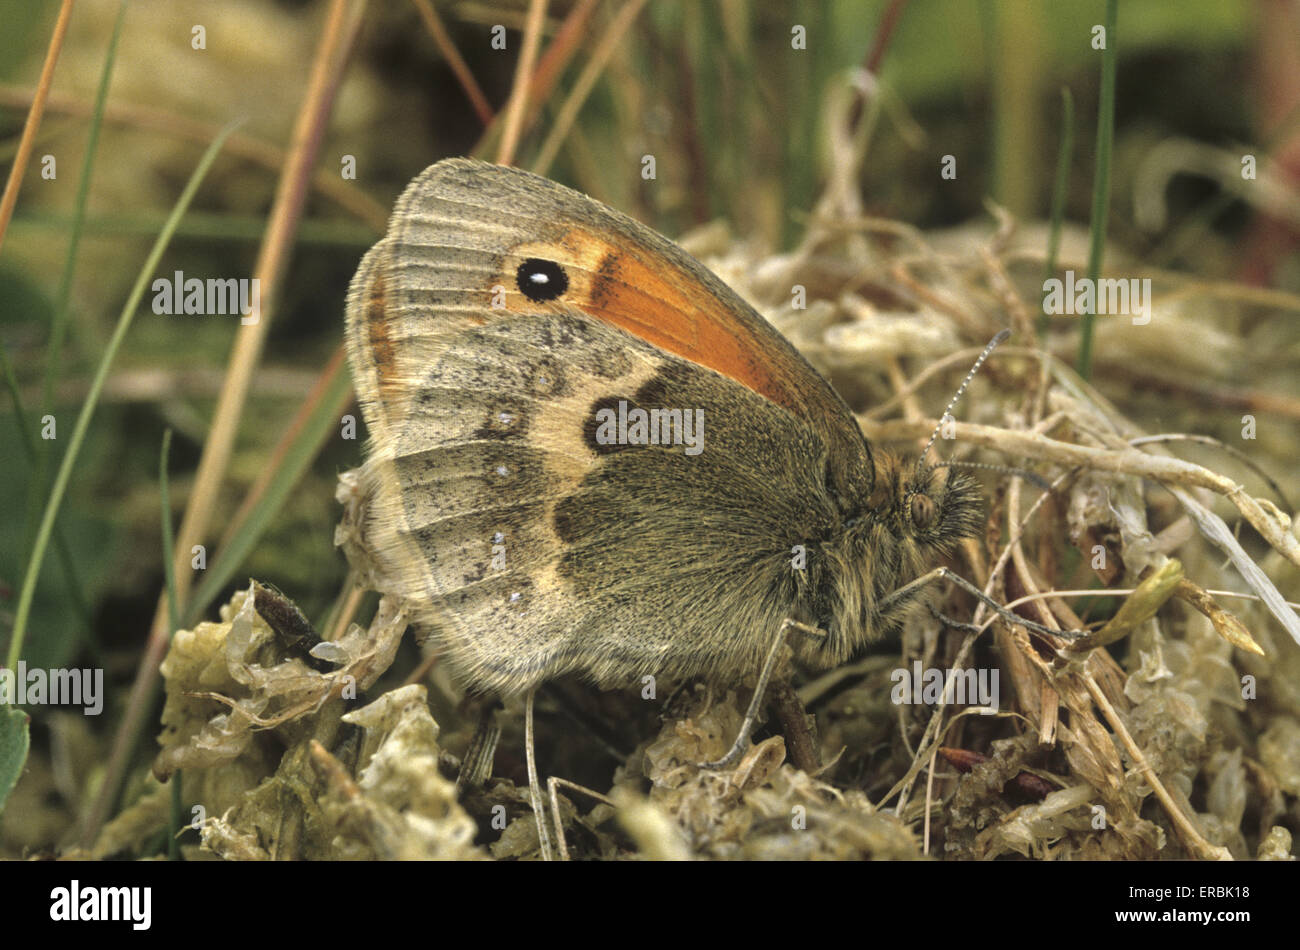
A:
{"points": [[292, 778], [1172, 731], [763, 808], [277, 765], [400, 806], [241, 665], [1186, 746]]}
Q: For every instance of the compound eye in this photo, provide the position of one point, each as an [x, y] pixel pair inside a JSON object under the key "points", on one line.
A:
{"points": [[923, 511]]}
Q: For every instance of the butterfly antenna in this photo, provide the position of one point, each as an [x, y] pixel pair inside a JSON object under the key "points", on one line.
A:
{"points": [[1001, 338], [1006, 469]]}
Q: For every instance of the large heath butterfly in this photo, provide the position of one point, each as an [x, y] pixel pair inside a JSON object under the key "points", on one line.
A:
{"points": [[590, 456]]}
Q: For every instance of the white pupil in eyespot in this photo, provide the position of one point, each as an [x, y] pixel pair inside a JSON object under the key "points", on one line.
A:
{"points": [[539, 278]]}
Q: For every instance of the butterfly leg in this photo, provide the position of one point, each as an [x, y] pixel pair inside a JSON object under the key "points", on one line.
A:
{"points": [[756, 702], [950, 622], [534, 788], [908, 591]]}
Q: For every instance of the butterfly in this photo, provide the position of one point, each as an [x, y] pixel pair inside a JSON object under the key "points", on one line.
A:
{"points": [[590, 456]]}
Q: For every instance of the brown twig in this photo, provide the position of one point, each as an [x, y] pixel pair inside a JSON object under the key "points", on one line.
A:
{"points": [[523, 81], [550, 67], [794, 725], [1159, 468], [442, 38], [1187, 831], [28, 140], [586, 82], [239, 145], [880, 42], [558, 55], [340, 31], [287, 438], [351, 602], [876, 53]]}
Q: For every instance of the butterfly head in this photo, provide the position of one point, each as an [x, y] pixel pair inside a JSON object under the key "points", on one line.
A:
{"points": [[933, 507], [940, 507]]}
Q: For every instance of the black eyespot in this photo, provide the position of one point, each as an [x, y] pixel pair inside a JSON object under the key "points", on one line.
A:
{"points": [[922, 511], [541, 280]]}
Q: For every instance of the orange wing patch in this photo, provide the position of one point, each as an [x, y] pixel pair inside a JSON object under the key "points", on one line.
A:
{"points": [[661, 303], [382, 356]]}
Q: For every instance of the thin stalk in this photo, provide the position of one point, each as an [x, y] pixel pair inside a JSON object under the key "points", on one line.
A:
{"points": [[1101, 178], [169, 573], [1060, 187], [64, 474]]}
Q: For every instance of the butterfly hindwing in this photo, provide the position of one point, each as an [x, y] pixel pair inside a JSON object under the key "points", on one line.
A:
{"points": [[534, 546], [503, 336]]}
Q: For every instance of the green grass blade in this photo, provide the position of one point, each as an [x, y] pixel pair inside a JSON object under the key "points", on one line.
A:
{"points": [[59, 324], [14, 742], [1101, 177], [1060, 187], [199, 226], [169, 572], [61, 549], [168, 537], [92, 397]]}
